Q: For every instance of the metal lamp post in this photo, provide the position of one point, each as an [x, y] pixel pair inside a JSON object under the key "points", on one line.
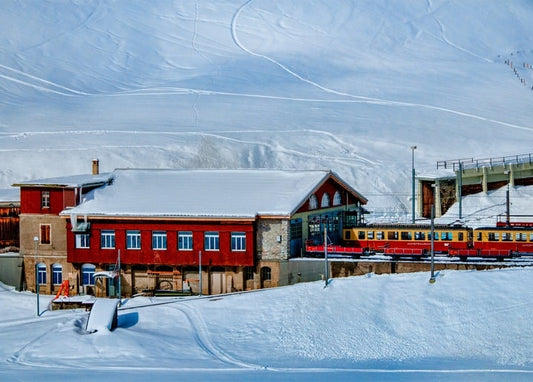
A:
{"points": [[413, 148], [326, 265], [507, 200], [200, 273], [36, 240], [432, 277]]}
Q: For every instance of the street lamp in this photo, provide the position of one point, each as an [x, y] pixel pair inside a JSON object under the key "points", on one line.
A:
{"points": [[200, 273], [36, 240], [326, 265], [432, 232], [507, 201], [413, 148]]}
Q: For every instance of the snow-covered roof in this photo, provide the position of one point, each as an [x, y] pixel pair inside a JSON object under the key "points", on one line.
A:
{"points": [[243, 193], [86, 180]]}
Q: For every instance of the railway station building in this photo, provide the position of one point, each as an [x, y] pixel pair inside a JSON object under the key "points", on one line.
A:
{"points": [[205, 231]]}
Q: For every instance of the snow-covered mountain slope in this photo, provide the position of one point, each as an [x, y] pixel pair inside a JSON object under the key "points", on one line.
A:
{"points": [[279, 84]]}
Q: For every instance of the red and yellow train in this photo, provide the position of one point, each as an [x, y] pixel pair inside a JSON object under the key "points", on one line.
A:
{"points": [[414, 241]]}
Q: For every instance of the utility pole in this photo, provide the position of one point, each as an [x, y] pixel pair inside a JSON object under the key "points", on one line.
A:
{"points": [[507, 201], [119, 282], [36, 241], [413, 148], [326, 269], [432, 278], [460, 189], [200, 272]]}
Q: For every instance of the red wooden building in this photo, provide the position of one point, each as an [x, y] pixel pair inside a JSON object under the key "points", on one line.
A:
{"points": [[9, 218], [241, 226]]}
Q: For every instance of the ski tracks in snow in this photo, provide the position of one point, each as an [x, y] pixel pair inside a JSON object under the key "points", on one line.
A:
{"points": [[359, 98], [37, 83], [41, 84], [19, 356], [203, 338]]}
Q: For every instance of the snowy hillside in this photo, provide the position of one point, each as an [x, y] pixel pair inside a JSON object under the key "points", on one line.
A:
{"points": [[277, 84]]}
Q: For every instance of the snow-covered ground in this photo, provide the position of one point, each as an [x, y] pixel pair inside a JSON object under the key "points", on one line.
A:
{"points": [[469, 325], [276, 84]]}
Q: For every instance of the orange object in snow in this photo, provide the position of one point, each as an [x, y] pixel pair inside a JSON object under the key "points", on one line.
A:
{"points": [[63, 289]]}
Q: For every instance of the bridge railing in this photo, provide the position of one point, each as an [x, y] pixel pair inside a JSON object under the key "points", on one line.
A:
{"points": [[467, 163]]}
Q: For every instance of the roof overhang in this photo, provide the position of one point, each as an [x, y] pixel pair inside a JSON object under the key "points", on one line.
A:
{"points": [[224, 219]]}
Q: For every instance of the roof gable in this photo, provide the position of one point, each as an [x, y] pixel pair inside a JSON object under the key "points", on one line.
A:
{"points": [[332, 181]]}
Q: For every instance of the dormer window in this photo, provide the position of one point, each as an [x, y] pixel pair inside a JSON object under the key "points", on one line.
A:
{"points": [[313, 202], [45, 199], [325, 200]]}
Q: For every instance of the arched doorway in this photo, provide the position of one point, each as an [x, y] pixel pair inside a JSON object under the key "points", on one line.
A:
{"points": [[266, 277]]}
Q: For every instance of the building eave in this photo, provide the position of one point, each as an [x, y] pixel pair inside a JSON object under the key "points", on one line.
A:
{"points": [[174, 218]]}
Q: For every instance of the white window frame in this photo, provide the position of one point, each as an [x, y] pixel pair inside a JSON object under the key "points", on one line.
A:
{"points": [[88, 269], [45, 199], [159, 240], [57, 274], [185, 241], [133, 239], [211, 241], [83, 240], [238, 241], [107, 239], [41, 273]]}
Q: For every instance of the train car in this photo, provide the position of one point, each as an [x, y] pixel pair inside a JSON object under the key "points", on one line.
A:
{"points": [[517, 239], [500, 242], [407, 240]]}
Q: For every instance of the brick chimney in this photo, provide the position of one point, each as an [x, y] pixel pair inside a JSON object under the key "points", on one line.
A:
{"points": [[96, 166]]}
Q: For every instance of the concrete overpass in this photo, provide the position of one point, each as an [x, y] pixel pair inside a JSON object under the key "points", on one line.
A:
{"points": [[468, 176]]}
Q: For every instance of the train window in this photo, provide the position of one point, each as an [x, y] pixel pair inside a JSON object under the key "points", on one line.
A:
{"points": [[361, 235], [420, 235], [520, 236], [370, 235], [446, 236], [435, 235], [380, 235], [494, 236], [479, 236], [347, 235], [392, 235], [406, 235], [506, 236], [460, 236], [531, 237]]}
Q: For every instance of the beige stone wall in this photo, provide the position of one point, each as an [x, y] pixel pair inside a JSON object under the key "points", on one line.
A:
{"points": [[30, 228], [49, 254], [69, 273], [214, 281], [274, 274], [273, 239], [357, 268]]}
